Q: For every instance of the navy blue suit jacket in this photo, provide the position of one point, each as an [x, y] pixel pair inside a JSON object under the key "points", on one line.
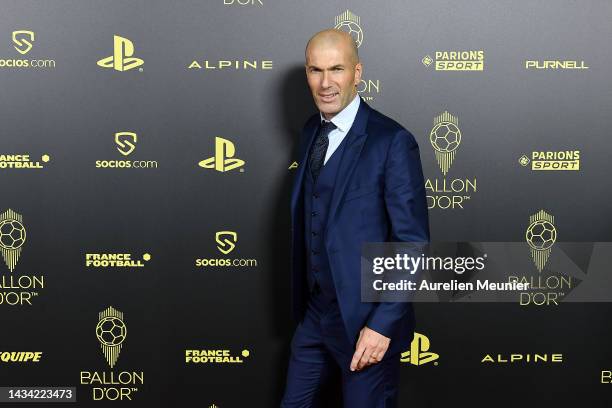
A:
{"points": [[379, 196]]}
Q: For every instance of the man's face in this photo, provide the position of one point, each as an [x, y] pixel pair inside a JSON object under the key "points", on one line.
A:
{"points": [[332, 77]]}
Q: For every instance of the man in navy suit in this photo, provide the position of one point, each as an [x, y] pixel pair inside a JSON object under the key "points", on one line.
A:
{"points": [[359, 179]]}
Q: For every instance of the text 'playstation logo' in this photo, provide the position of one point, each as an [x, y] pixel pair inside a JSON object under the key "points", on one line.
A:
{"points": [[419, 353], [223, 159], [23, 40], [122, 58], [226, 241], [126, 142]]}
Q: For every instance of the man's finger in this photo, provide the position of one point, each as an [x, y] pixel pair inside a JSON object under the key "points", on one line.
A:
{"points": [[380, 354], [365, 359], [376, 356], [357, 356]]}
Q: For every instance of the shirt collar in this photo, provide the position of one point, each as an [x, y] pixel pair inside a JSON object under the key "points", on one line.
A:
{"points": [[345, 118]]}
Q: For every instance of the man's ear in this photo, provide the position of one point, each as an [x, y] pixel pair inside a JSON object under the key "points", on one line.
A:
{"points": [[358, 70]]}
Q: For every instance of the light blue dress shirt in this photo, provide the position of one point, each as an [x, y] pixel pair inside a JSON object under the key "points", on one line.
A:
{"points": [[343, 121]]}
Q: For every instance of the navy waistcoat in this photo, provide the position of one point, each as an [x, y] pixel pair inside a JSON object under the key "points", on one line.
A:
{"points": [[317, 199]]}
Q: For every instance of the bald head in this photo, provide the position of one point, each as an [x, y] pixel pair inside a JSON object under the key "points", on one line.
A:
{"points": [[333, 38], [333, 70]]}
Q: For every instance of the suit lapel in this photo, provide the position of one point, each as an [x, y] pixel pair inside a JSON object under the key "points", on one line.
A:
{"points": [[311, 131]]}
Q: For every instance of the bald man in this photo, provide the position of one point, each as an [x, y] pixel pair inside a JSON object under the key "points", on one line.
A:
{"points": [[359, 179]]}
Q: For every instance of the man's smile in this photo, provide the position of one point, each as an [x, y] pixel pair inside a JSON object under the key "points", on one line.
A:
{"points": [[329, 97]]}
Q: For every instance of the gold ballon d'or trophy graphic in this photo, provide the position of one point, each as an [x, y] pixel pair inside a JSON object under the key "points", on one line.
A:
{"points": [[12, 237], [111, 333], [541, 235], [445, 138]]}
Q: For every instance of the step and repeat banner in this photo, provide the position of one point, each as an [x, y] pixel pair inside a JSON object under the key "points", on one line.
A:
{"points": [[147, 151]]}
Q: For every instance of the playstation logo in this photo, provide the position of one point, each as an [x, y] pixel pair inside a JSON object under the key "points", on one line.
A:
{"points": [[419, 353], [223, 160], [122, 58]]}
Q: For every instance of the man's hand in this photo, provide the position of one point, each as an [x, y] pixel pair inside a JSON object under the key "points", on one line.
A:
{"points": [[370, 349]]}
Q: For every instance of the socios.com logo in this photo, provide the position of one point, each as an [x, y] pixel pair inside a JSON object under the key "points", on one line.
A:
{"points": [[223, 160], [226, 241], [122, 58], [419, 353], [126, 142], [23, 40], [23, 43]]}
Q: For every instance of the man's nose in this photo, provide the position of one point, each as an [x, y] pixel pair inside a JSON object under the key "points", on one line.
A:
{"points": [[325, 80]]}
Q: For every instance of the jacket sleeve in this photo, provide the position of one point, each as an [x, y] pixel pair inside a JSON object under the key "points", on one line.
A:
{"points": [[407, 209]]}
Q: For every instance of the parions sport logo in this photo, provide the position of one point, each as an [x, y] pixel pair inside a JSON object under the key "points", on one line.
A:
{"points": [[471, 60], [23, 42], [125, 143], [447, 193], [562, 160]]}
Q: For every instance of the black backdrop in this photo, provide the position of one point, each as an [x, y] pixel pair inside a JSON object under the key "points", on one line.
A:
{"points": [[71, 108]]}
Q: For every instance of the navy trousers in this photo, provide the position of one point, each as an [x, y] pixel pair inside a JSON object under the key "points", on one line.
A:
{"points": [[320, 342]]}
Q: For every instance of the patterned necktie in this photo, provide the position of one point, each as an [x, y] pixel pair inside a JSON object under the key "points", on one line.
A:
{"points": [[319, 148]]}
